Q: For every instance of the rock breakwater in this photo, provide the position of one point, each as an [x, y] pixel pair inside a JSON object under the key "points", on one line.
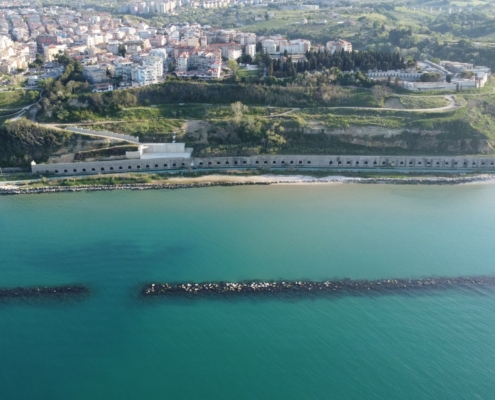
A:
{"points": [[45, 292], [271, 180], [304, 288]]}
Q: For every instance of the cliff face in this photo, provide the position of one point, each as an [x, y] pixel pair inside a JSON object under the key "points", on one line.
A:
{"points": [[432, 141]]}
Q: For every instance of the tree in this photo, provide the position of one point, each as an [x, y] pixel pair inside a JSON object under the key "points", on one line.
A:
{"points": [[238, 109], [232, 64], [379, 93], [121, 50]]}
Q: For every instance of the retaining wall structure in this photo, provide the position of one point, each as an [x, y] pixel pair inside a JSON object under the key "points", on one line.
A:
{"points": [[272, 161], [102, 134]]}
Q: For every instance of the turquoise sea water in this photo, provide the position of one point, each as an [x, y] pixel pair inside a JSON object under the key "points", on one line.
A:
{"points": [[114, 345]]}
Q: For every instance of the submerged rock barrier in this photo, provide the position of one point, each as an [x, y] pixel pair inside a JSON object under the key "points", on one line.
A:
{"points": [[133, 186], [13, 190], [44, 292], [305, 288]]}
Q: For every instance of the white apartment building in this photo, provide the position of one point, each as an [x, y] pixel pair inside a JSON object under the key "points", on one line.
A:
{"points": [[338, 46], [155, 63], [269, 46], [296, 46], [251, 50], [144, 75], [234, 54], [123, 69], [181, 62]]}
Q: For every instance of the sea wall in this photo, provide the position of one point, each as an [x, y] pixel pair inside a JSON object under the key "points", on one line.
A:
{"points": [[271, 161]]}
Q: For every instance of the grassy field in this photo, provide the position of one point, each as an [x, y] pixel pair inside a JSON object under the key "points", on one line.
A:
{"points": [[18, 98], [410, 102], [245, 73]]}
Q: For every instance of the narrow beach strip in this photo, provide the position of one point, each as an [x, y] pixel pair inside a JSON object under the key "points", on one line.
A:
{"points": [[343, 287], [270, 180]]}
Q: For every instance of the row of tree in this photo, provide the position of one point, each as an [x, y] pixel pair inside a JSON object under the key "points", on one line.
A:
{"points": [[344, 61]]}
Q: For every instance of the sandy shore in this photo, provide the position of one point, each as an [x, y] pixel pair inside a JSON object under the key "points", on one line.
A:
{"points": [[279, 179]]}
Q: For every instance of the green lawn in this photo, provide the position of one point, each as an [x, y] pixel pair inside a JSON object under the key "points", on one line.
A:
{"points": [[18, 98]]}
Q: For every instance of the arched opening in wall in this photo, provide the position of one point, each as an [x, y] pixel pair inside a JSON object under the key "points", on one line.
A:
{"points": [[309, 162], [147, 166], [165, 165], [402, 163], [340, 162], [292, 162], [65, 171], [330, 163], [455, 163], [244, 162], [138, 167], [209, 162], [474, 163], [183, 164], [257, 162], [374, 162], [111, 168], [84, 169], [357, 162], [201, 163], [283, 162], [438, 163], [174, 165], [300, 162], [92, 169], [446, 163], [129, 167], [265, 162], [274, 162], [348, 163], [103, 169], [465, 163], [410, 163], [235, 163], [218, 162], [74, 170], [482, 163], [428, 163], [120, 167], [156, 165], [383, 162], [491, 163], [366, 163], [56, 171], [419, 162], [226, 163]]}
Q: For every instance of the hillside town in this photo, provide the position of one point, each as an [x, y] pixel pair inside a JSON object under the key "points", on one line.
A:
{"points": [[119, 53]]}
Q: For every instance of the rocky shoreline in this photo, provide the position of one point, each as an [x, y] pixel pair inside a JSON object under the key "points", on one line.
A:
{"points": [[45, 292], [5, 191], [309, 288]]}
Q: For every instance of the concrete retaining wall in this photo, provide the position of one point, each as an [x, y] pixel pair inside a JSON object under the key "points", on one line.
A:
{"points": [[103, 133], [277, 161]]}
